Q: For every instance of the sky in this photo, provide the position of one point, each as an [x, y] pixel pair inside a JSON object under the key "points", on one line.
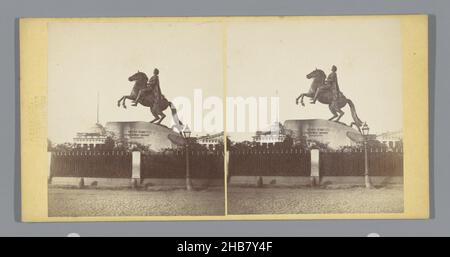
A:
{"points": [[249, 58], [273, 58], [86, 58]]}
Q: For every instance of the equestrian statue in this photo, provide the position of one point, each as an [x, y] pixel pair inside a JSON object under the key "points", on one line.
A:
{"points": [[326, 91], [148, 93]]}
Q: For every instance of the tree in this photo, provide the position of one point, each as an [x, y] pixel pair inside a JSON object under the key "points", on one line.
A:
{"points": [[288, 141], [313, 144], [63, 147], [140, 147], [109, 144]]}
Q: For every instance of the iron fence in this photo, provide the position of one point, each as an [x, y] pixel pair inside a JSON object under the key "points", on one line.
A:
{"points": [[101, 164], [203, 164], [270, 162], [380, 162]]}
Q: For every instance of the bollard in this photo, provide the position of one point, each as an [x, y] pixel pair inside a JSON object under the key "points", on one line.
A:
{"points": [[136, 169], [259, 182], [315, 176], [81, 183]]}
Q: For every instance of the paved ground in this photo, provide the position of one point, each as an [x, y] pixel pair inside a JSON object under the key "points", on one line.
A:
{"points": [[66, 202], [245, 200], [69, 202]]}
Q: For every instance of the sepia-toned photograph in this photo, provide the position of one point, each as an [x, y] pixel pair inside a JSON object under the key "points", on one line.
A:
{"points": [[224, 118], [121, 99], [309, 128], [327, 137]]}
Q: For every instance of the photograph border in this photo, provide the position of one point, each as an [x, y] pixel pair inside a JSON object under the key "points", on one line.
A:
{"points": [[33, 104]]}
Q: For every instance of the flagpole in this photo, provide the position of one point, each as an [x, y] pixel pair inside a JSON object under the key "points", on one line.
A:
{"points": [[98, 97]]}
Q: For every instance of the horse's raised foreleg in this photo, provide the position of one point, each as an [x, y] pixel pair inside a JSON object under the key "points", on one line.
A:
{"points": [[120, 100], [303, 95], [125, 98], [309, 94], [296, 100], [300, 97]]}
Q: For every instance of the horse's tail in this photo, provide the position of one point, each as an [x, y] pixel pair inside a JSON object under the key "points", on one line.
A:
{"points": [[176, 120], [356, 119]]}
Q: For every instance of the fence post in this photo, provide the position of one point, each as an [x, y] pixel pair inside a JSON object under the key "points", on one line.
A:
{"points": [[49, 168], [135, 168], [315, 176]]}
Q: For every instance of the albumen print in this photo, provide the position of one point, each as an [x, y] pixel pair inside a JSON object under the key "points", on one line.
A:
{"points": [[224, 118]]}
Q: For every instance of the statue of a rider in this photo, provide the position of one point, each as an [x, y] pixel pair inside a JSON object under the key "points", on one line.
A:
{"points": [[153, 84], [331, 83]]}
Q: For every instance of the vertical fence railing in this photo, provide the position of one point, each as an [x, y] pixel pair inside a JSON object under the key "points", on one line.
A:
{"points": [[203, 164], [295, 162], [351, 163], [91, 164], [209, 164], [269, 162]]}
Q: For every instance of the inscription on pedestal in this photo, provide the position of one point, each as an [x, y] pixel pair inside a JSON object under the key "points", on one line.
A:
{"points": [[332, 134]]}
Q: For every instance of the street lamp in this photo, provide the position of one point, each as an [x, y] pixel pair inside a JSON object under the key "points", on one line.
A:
{"points": [[365, 132], [187, 135]]}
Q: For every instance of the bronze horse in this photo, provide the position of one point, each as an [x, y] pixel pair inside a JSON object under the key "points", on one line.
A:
{"points": [[326, 97], [148, 100]]}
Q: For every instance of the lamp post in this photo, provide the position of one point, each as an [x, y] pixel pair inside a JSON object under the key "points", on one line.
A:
{"points": [[365, 132], [187, 136]]}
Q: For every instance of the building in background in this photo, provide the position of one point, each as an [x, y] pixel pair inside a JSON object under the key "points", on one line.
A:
{"points": [[90, 138], [275, 134], [211, 141], [126, 135], [94, 136], [391, 139]]}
